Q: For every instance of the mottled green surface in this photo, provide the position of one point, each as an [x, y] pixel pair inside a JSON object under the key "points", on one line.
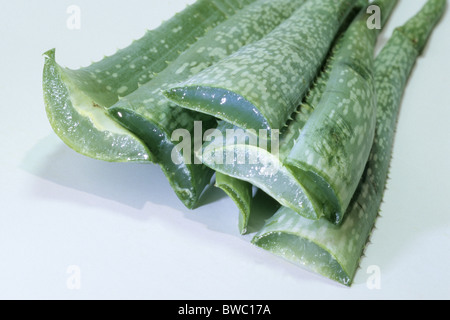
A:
{"points": [[83, 126], [262, 84], [335, 251], [76, 99], [334, 145], [147, 106], [304, 192], [266, 170]]}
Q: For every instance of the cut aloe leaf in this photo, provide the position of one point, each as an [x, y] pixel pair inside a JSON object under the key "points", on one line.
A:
{"points": [[259, 166], [243, 180], [263, 208], [303, 193], [83, 124], [76, 100], [241, 193], [148, 114], [335, 251], [332, 151], [261, 85], [286, 190]]}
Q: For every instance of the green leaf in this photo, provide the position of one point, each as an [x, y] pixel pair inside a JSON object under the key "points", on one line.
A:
{"points": [[332, 150], [148, 114], [335, 251], [259, 166], [76, 100], [241, 193], [306, 192], [261, 85], [83, 124]]}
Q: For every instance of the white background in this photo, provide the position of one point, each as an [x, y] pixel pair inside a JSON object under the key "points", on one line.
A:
{"points": [[128, 234]]}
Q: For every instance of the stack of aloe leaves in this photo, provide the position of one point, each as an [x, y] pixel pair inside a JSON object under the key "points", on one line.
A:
{"points": [[283, 97]]}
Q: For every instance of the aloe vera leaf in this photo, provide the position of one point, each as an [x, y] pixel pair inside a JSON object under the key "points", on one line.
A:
{"points": [[82, 124], [261, 201], [237, 183], [241, 184], [263, 208], [148, 114], [332, 150], [241, 193], [293, 193], [335, 251], [261, 85], [76, 99], [280, 182], [260, 166]]}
